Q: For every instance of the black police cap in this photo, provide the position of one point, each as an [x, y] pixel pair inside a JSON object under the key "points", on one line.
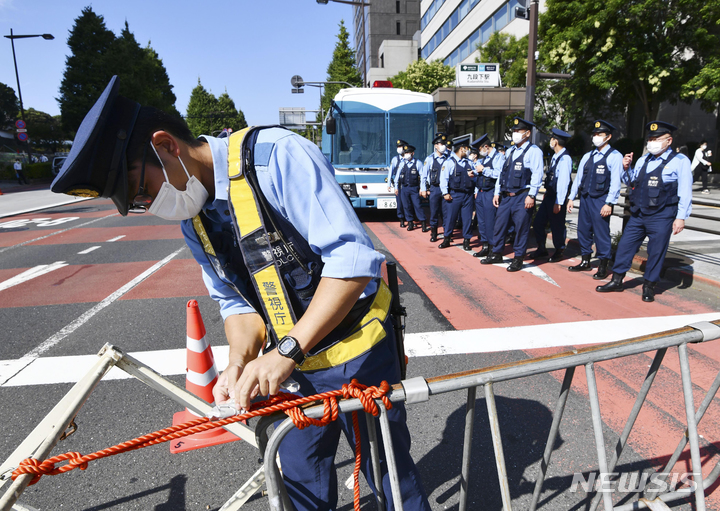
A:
{"points": [[483, 140], [97, 163], [474, 151], [401, 143], [440, 138], [657, 128], [407, 148], [462, 141], [499, 145], [560, 134], [521, 124], [601, 126]]}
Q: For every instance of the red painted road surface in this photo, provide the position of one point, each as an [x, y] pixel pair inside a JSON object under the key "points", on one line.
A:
{"points": [[471, 295]]}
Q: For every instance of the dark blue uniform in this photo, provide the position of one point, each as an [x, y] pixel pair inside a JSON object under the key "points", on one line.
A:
{"points": [[410, 189], [454, 180], [556, 187], [432, 169], [485, 210]]}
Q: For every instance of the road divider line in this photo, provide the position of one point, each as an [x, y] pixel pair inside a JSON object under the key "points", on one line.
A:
{"points": [[115, 238], [31, 274], [68, 369], [530, 268], [10, 369], [88, 250], [4, 249]]}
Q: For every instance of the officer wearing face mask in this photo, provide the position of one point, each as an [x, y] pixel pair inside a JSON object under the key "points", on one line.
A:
{"points": [[486, 170], [430, 182], [410, 174], [660, 187], [598, 183], [393, 181], [281, 251], [457, 186], [515, 192], [552, 209]]}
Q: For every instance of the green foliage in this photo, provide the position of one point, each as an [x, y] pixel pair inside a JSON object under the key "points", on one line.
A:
{"points": [[95, 56], [44, 130], [424, 76], [625, 51], [31, 171], [208, 115], [9, 106], [511, 53], [705, 86], [342, 68]]}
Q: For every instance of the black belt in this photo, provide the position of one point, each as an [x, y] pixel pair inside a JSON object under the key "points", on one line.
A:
{"points": [[460, 190], [514, 194]]}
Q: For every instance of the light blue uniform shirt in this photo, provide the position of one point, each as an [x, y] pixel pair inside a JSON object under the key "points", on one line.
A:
{"points": [[563, 172], [677, 170], [393, 170], [447, 169], [492, 165], [299, 184], [614, 163], [532, 157], [427, 166]]}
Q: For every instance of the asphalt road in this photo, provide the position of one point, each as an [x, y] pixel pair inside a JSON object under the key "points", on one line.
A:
{"points": [[443, 291]]}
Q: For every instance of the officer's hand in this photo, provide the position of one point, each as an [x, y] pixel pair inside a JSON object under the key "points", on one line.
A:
{"points": [[447, 197], [627, 160], [496, 200], [396, 191], [390, 188], [529, 202], [224, 389], [476, 195], [479, 167], [557, 208], [471, 173], [569, 206], [678, 226], [262, 377], [606, 211]]}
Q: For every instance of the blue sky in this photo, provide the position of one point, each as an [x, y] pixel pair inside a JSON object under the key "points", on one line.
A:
{"points": [[250, 47]]}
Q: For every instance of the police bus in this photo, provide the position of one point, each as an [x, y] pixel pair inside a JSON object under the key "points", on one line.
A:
{"points": [[360, 134]]}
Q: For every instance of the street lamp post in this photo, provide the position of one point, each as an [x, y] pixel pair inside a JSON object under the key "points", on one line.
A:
{"points": [[12, 38], [362, 4]]}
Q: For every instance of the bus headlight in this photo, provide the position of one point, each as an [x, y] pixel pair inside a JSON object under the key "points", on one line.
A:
{"points": [[349, 189]]}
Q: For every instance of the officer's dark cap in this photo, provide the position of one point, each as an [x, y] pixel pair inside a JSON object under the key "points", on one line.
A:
{"points": [[499, 145], [440, 138], [407, 148], [657, 128], [560, 134], [601, 126], [462, 141], [474, 151], [483, 140], [97, 163], [521, 124], [401, 143]]}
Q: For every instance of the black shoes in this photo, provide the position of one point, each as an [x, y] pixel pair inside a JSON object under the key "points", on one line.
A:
{"points": [[466, 245], [602, 269], [484, 252], [411, 226], [516, 264], [493, 258], [583, 266], [540, 252], [648, 291], [402, 223], [425, 227], [616, 284], [433, 234], [557, 256], [446, 242]]}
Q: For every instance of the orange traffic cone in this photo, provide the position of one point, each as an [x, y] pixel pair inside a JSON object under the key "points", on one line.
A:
{"points": [[200, 380]]}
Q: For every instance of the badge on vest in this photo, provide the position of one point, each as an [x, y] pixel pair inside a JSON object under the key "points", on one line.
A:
{"points": [[518, 165], [653, 181], [600, 169]]}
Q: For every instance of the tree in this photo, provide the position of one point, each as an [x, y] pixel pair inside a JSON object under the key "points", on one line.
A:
{"points": [[424, 76], [44, 130], [625, 51], [86, 68], [510, 53], [9, 106], [232, 117], [207, 115], [342, 68]]}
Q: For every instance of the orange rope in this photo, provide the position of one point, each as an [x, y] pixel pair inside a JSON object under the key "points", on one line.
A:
{"points": [[282, 402]]}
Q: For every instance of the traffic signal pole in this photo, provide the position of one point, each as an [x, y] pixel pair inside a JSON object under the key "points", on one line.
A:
{"points": [[533, 7]]}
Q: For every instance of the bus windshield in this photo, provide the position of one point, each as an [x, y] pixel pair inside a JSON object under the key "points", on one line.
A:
{"points": [[360, 140], [415, 129]]}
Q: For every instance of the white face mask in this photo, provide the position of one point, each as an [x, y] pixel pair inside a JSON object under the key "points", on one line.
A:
{"points": [[399, 150], [441, 148], [598, 140], [517, 137], [407, 156], [172, 204], [483, 153], [655, 147], [472, 157]]}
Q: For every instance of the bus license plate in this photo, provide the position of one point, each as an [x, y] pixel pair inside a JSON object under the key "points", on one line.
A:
{"points": [[387, 204]]}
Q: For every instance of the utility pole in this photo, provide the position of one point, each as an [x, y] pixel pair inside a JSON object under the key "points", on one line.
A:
{"points": [[533, 8]]}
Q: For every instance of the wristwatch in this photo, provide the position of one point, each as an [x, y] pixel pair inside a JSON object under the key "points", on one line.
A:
{"points": [[289, 347], [531, 196]]}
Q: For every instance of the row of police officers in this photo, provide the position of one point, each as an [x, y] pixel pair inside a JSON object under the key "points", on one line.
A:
{"points": [[462, 176]]}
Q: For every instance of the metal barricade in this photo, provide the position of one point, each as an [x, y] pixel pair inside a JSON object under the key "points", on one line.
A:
{"points": [[418, 389]]}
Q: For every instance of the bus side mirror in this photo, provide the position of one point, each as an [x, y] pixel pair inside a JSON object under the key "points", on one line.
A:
{"points": [[330, 125]]}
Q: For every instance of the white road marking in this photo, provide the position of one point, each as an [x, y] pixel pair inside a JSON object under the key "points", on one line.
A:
{"points": [[31, 274], [11, 368], [530, 268], [88, 250], [54, 370], [56, 232], [116, 238]]}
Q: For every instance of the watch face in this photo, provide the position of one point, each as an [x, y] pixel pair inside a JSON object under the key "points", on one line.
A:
{"points": [[285, 346]]}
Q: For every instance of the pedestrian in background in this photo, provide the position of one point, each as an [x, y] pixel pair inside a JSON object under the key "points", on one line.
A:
{"points": [[19, 173], [701, 165]]}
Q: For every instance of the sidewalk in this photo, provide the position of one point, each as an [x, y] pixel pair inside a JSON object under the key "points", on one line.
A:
{"points": [[18, 199]]}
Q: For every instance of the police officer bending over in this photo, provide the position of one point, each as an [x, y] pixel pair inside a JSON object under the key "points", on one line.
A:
{"points": [[515, 192], [598, 181], [394, 181], [552, 209], [430, 182], [410, 172], [457, 184], [487, 170], [281, 251], [660, 200]]}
